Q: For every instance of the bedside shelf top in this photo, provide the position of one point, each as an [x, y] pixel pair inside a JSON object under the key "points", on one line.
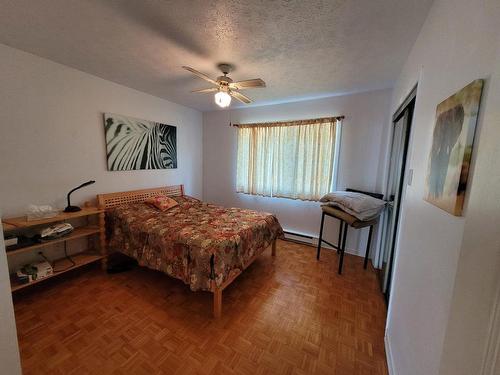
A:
{"points": [[21, 222]]}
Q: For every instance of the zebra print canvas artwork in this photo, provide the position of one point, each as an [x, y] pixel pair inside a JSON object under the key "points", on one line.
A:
{"points": [[133, 144]]}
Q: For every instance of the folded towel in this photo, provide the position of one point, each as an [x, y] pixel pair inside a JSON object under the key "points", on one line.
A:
{"points": [[361, 206]]}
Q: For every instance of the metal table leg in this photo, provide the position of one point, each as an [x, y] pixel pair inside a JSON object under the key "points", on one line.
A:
{"points": [[342, 251], [320, 235], [368, 246]]}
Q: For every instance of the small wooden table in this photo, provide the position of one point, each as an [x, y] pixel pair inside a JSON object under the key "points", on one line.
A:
{"points": [[346, 220]]}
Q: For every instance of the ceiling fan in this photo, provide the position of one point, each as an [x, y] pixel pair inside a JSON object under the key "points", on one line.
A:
{"points": [[225, 88]]}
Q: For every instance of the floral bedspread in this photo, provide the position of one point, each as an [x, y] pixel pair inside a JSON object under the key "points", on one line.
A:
{"points": [[181, 241]]}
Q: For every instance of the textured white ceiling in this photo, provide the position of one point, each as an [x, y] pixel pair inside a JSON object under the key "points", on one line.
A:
{"points": [[302, 49]]}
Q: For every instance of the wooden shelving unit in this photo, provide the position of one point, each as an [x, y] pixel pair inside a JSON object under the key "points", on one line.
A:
{"points": [[18, 224]]}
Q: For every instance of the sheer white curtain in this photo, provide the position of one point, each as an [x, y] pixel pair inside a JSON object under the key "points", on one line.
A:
{"points": [[287, 159]]}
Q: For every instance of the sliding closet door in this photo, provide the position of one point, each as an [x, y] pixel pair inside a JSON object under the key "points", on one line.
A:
{"points": [[397, 163]]}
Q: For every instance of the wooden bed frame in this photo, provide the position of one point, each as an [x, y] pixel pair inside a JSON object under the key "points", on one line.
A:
{"points": [[110, 200]]}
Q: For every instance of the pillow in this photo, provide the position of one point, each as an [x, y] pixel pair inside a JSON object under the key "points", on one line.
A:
{"points": [[162, 202], [363, 207]]}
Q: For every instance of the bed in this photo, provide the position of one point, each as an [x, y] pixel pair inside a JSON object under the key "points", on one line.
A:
{"points": [[204, 245]]}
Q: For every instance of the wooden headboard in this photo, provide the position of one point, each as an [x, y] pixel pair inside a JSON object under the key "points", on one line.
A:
{"points": [[109, 200]]}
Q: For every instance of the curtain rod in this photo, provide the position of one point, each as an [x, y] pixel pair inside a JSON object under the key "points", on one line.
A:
{"points": [[293, 122]]}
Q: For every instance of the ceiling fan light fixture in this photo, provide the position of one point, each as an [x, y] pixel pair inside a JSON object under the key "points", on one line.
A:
{"points": [[225, 87], [222, 99]]}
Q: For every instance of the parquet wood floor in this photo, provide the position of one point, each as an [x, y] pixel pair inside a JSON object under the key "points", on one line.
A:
{"points": [[288, 315]]}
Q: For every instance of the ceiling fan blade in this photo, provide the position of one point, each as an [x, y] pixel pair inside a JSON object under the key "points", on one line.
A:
{"points": [[247, 84], [201, 75], [239, 96], [211, 89]]}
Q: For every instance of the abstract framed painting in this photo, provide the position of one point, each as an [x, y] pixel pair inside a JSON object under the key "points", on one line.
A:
{"points": [[451, 152], [133, 144]]}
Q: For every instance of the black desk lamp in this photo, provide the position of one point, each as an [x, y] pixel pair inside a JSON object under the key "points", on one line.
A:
{"points": [[71, 208]]}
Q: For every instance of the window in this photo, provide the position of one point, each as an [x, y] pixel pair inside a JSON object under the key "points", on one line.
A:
{"points": [[288, 159]]}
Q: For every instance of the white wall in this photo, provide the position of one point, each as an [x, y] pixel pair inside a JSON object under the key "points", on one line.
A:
{"points": [[52, 139], [446, 269], [367, 115], [9, 352], [52, 134]]}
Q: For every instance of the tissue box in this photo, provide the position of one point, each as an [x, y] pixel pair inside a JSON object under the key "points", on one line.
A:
{"points": [[31, 272], [44, 269], [40, 212]]}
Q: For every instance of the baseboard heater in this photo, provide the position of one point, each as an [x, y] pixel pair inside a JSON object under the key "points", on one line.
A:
{"points": [[313, 241], [306, 239]]}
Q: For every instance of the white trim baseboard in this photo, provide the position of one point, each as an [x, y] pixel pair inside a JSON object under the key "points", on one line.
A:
{"points": [[388, 355]]}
